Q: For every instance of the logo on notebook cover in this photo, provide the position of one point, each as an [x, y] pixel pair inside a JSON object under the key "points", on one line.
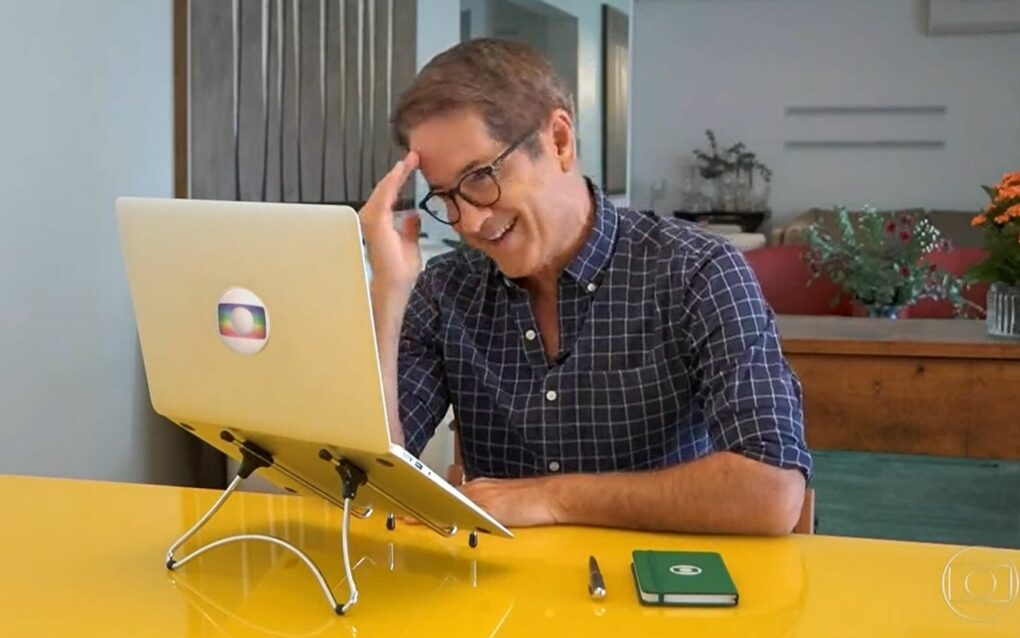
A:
{"points": [[685, 570], [243, 321]]}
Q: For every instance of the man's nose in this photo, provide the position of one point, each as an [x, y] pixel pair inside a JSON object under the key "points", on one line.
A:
{"points": [[471, 218]]}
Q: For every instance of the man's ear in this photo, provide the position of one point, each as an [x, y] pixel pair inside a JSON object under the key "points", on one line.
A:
{"points": [[564, 143]]}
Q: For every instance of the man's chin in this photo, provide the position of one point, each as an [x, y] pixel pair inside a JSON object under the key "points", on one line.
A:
{"points": [[514, 269]]}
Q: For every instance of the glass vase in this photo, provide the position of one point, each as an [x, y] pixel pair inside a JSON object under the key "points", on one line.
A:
{"points": [[726, 193], [883, 312], [692, 196], [1003, 317], [760, 196]]}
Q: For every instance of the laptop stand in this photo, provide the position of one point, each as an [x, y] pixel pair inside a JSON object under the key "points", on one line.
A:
{"points": [[351, 476], [253, 458]]}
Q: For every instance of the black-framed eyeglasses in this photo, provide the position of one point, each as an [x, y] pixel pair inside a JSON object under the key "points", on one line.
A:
{"points": [[478, 187]]}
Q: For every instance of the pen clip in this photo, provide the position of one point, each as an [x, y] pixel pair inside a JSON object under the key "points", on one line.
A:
{"points": [[596, 584]]}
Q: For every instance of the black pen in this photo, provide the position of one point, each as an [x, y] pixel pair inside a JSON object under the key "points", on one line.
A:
{"points": [[596, 586]]}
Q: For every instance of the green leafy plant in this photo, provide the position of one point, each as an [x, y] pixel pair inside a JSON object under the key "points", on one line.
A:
{"points": [[1001, 220], [877, 259], [714, 163]]}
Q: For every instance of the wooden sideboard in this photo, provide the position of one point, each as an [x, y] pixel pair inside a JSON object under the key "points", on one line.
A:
{"points": [[914, 386]]}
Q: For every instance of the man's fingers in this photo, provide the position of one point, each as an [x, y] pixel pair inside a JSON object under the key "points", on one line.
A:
{"points": [[379, 207], [410, 228], [410, 163], [477, 489], [397, 177]]}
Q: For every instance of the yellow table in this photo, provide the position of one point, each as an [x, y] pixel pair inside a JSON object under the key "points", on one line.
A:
{"points": [[86, 559]]}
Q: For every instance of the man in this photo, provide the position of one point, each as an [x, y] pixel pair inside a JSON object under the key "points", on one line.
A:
{"points": [[606, 367]]}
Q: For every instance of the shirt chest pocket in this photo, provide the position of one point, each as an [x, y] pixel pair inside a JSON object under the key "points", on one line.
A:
{"points": [[608, 420]]}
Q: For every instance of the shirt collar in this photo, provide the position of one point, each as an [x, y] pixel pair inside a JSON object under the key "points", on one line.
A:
{"points": [[587, 267], [589, 264]]}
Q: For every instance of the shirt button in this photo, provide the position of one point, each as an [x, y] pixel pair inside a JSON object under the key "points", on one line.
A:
{"points": [[592, 287], [554, 466], [551, 395], [530, 335]]}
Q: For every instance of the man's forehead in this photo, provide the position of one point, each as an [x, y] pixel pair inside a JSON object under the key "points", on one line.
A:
{"points": [[450, 146]]}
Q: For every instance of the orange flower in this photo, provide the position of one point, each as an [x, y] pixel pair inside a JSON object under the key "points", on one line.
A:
{"points": [[979, 220], [1006, 193], [1013, 212]]}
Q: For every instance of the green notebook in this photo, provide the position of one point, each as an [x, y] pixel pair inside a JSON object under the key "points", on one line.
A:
{"points": [[697, 579]]}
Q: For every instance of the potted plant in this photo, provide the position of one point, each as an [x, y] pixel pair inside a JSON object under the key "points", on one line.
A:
{"points": [[877, 260], [1001, 269], [732, 171]]}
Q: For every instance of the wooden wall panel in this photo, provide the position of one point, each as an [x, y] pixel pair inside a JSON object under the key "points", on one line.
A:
{"points": [[315, 81]]}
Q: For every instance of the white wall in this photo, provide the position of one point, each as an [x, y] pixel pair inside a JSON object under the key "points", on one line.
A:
{"points": [[735, 65], [86, 115]]}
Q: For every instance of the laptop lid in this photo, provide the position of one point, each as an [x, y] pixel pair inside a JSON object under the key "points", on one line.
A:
{"points": [[256, 315]]}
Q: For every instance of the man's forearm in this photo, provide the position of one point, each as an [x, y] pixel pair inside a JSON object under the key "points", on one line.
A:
{"points": [[389, 301], [721, 493]]}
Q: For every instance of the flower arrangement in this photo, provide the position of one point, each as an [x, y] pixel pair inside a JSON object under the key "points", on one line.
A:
{"points": [[878, 260], [1001, 220]]}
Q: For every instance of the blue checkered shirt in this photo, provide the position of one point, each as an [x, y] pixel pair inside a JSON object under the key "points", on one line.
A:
{"points": [[669, 352]]}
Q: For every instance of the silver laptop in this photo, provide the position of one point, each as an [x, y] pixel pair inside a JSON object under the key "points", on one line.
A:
{"points": [[256, 327]]}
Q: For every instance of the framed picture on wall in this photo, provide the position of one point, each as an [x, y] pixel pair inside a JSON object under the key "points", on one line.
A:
{"points": [[615, 99]]}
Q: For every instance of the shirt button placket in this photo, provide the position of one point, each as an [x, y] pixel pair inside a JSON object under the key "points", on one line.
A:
{"points": [[551, 396]]}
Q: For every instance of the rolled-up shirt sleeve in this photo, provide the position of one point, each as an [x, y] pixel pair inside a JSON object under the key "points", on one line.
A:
{"points": [[749, 395], [421, 380]]}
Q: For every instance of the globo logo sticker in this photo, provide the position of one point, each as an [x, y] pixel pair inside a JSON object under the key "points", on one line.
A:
{"points": [[685, 570], [243, 321]]}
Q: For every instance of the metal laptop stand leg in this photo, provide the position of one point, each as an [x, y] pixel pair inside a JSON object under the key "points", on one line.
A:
{"points": [[253, 458]]}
